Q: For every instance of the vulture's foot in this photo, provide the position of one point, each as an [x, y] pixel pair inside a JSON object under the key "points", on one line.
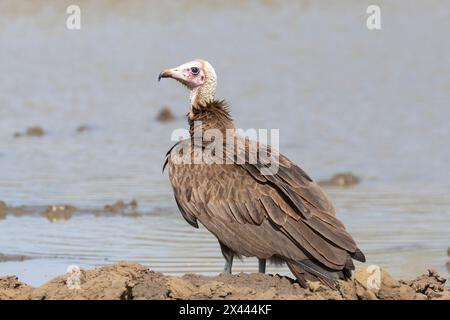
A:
{"points": [[228, 254], [262, 265]]}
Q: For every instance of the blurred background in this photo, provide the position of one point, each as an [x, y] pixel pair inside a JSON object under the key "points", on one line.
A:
{"points": [[79, 124]]}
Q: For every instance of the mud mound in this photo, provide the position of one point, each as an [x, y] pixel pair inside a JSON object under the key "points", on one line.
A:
{"points": [[59, 212], [35, 131], [345, 179], [125, 280], [165, 115]]}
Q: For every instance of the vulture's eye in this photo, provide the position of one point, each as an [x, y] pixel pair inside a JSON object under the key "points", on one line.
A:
{"points": [[195, 70]]}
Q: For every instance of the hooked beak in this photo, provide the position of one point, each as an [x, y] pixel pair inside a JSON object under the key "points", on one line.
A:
{"points": [[175, 73], [165, 74]]}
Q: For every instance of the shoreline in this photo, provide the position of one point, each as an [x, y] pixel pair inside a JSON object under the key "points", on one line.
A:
{"points": [[125, 281]]}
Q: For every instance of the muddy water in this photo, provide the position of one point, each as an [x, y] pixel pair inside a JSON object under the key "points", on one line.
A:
{"points": [[344, 98]]}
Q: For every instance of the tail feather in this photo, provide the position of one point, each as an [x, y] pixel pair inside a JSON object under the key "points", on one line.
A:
{"points": [[307, 270], [303, 276], [358, 255]]}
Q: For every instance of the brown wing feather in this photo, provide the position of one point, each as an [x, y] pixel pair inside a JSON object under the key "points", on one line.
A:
{"points": [[226, 197]]}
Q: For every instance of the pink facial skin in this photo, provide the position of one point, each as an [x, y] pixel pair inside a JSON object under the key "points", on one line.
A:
{"points": [[190, 74], [193, 74]]}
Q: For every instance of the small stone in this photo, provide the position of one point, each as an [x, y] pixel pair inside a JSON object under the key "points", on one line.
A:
{"points": [[83, 128]]}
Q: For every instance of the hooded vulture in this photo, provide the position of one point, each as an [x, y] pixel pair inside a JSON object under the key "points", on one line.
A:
{"points": [[254, 211]]}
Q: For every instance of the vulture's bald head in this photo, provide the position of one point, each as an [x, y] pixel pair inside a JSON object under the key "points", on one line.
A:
{"points": [[198, 76]]}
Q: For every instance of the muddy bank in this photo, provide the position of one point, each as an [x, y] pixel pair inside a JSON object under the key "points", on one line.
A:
{"points": [[58, 212], [125, 280], [12, 257]]}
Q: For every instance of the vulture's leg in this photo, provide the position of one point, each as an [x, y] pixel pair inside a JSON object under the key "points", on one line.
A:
{"points": [[228, 254], [262, 265], [228, 265]]}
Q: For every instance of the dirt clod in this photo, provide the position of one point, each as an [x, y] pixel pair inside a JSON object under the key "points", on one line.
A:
{"points": [[11, 288]]}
